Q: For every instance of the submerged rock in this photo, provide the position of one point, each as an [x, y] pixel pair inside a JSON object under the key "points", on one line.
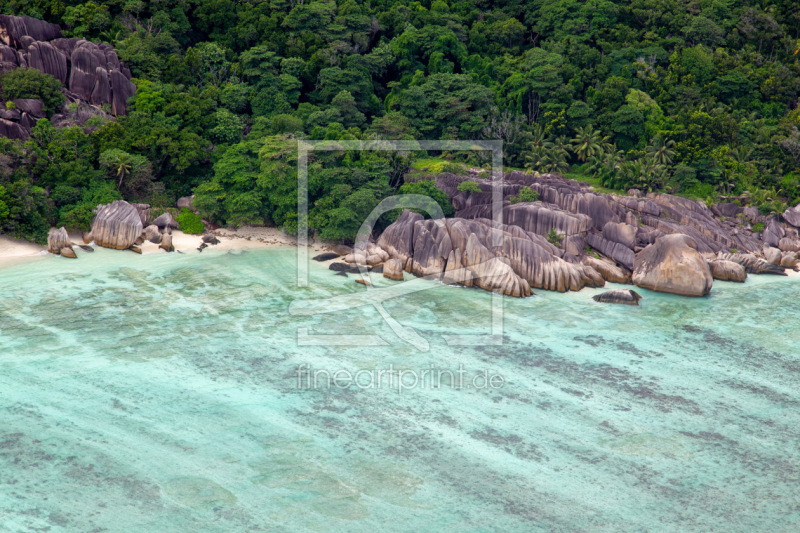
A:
{"points": [[672, 264], [619, 296], [327, 256]]}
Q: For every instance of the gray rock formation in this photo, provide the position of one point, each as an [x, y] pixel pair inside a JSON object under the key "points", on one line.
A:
{"points": [[166, 243], [727, 270], [792, 216], [753, 264], [116, 225], [165, 220], [619, 296], [673, 264], [398, 238], [90, 72], [58, 239], [607, 269], [152, 234]]}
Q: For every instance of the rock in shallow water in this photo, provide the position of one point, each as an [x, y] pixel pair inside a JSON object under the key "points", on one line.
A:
{"points": [[619, 296], [327, 256], [393, 269], [117, 225], [672, 264]]}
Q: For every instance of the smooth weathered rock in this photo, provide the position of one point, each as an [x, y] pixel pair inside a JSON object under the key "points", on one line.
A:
{"points": [[122, 89], [792, 216], [87, 237], [13, 29], [393, 269], [614, 250], [31, 106], [772, 255], [67, 251], [491, 273], [57, 239], [608, 270], [152, 234], [342, 249], [210, 238], [339, 267], [116, 225], [727, 270], [165, 220], [12, 130], [789, 245], [773, 233], [619, 296], [185, 202], [46, 58], [398, 238], [789, 260], [134, 248], [327, 256], [432, 246], [166, 243], [364, 282], [621, 233], [672, 264], [753, 264]]}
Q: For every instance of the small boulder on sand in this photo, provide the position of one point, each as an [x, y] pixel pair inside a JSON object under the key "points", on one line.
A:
{"points": [[393, 269]]}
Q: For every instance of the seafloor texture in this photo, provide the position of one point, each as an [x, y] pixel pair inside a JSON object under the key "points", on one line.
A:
{"points": [[159, 394]]}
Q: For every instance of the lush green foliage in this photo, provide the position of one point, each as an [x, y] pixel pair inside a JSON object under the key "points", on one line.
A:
{"points": [[190, 223], [428, 188], [526, 194], [468, 186], [554, 238], [30, 83], [698, 98]]}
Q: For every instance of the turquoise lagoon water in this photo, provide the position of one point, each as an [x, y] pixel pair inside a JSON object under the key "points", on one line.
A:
{"points": [[159, 394]]}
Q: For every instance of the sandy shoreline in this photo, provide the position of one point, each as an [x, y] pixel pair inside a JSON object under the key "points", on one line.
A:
{"points": [[15, 251]]}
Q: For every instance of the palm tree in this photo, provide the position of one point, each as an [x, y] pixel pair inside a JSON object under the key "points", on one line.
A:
{"points": [[587, 143], [123, 167], [553, 161], [540, 138], [661, 151]]}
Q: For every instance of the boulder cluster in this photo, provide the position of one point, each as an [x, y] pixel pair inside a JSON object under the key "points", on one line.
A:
{"points": [[124, 226], [574, 237], [90, 72]]}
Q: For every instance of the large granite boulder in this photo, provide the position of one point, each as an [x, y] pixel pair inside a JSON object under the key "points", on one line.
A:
{"points": [[46, 58], [727, 270], [789, 245], [792, 216], [116, 225], [13, 29], [432, 247], [393, 269], [492, 273], [58, 239], [672, 264], [614, 250], [398, 238], [165, 220]]}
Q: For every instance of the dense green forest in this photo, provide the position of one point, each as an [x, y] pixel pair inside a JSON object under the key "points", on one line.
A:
{"points": [[694, 97]]}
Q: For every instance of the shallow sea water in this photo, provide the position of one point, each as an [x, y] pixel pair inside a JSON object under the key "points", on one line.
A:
{"points": [[160, 394]]}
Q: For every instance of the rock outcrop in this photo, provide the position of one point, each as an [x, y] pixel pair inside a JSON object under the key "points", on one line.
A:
{"points": [[673, 264], [90, 72], [618, 296], [116, 225], [727, 270], [477, 252], [393, 269], [58, 239]]}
